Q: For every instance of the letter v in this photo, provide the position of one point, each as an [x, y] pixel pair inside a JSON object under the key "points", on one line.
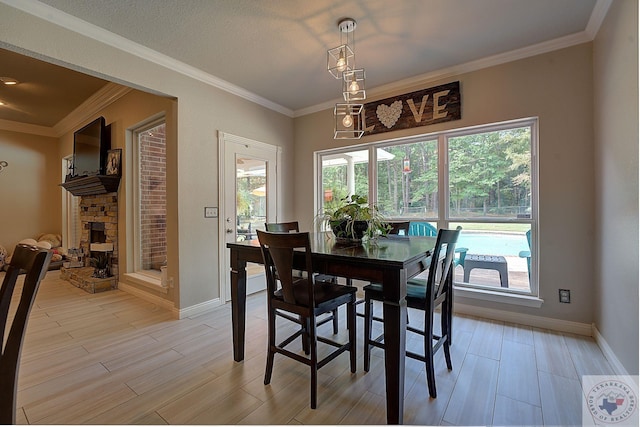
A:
{"points": [[418, 116]]}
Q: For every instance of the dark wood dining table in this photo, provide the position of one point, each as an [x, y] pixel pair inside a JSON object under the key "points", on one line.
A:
{"points": [[387, 260]]}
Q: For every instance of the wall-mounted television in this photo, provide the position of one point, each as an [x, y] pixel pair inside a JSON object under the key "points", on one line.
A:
{"points": [[90, 147]]}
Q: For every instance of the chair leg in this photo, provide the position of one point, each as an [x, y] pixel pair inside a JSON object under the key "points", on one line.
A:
{"points": [[449, 302], [368, 323], [351, 324], [335, 321], [445, 327], [271, 345], [428, 353], [313, 344], [305, 335], [348, 282]]}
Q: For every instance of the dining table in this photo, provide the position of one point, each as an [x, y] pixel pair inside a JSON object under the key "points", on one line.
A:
{"points": [[386, 260]]}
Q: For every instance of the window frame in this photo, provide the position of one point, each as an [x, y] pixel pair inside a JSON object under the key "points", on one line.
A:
{"points": [[137, 249], [530, 298]]}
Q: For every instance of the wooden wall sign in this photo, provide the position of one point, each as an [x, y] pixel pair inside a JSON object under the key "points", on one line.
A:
{"points": [[424, 107]]}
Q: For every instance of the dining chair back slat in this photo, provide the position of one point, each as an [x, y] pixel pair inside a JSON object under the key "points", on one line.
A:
{"points": [[34, 262], [294, 227], [305, 298], [436, 292]]}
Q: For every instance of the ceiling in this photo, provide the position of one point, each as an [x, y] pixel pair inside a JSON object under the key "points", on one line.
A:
{"points": [[274, 51]]}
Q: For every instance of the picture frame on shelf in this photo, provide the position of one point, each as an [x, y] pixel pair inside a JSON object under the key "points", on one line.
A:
{"points": [[114, 158]]}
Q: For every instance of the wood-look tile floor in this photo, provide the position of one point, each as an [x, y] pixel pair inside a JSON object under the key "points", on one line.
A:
{"points": [[112, 358]]}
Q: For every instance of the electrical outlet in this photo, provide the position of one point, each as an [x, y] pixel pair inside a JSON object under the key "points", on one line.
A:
{"points": [[565, 295]]}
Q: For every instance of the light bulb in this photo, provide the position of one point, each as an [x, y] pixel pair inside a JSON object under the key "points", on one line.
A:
{"points": [[347, 121], [354, 87], [341, 64]]}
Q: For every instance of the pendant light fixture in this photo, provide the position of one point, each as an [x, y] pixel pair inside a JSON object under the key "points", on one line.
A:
{"points": [[341, 58], [341, 62], [348, 121]]}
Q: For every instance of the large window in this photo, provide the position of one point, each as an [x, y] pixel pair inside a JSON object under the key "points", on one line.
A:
{"points": [[344, 173], [482, 179], [408, 180]]}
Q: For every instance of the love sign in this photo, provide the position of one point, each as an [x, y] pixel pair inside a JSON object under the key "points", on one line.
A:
{"points": [[424, 107]]}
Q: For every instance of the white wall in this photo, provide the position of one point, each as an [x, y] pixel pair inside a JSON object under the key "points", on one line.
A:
{"points": [[202, 110], [616, 160]]}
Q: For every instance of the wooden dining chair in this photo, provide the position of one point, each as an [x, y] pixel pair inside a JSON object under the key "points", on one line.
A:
{"points": [[294, 227], [305, 299], [437, 292], [396, 228], [33, 261], [282, 227], [400, 228]]}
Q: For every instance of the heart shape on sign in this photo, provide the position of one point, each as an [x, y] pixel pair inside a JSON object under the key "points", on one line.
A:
{"points": [[389, 114]]}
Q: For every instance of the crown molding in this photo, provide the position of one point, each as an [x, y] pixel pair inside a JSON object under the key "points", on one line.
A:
{"points": [[380, 92], [597, 16], [27, 128], [57, 17], [595, 21], [108, 94], [79, 26], [104, 97]]}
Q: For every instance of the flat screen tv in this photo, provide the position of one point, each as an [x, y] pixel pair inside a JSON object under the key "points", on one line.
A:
{"points": [[90, 147]]}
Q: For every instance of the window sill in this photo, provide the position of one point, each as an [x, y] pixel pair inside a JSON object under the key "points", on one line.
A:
{"points": [[500, 297], [145, 281]]}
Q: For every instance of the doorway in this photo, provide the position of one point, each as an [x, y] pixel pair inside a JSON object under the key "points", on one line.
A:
{"points": [[249, 187]]}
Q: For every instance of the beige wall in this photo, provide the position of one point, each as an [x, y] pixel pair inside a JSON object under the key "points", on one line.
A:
{"points": [[202, 111], [124, 114], [557, 88], [30, 198], [616, 159]]}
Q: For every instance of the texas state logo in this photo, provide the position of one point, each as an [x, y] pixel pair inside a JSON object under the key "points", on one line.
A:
{"points": [[612, 401]]}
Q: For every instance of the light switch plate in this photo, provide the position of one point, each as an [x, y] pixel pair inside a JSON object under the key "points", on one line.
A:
{"points": [[210, 212]]}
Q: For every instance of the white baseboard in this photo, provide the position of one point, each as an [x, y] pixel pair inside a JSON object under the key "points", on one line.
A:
{"points": [[203, 307], [179, 313], [608, 352], [164, 303], [525, 319]]}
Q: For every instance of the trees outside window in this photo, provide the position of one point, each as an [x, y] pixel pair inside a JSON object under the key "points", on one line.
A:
{"points": [[482, 179]]}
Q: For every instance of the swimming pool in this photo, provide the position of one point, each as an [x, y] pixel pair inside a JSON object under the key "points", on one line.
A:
{"points": [[505, 244]]}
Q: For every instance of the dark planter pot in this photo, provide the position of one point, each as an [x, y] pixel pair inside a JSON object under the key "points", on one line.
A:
{"points": [[349, 232]]}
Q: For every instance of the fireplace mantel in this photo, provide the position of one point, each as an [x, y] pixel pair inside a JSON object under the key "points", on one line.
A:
{"points": [[92, 185]]}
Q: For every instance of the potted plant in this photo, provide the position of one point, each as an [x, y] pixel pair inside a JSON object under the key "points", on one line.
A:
{"points": [[100, 264], [354, 218]]}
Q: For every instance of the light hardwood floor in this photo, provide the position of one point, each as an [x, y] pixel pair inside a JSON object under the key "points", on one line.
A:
{"points": [[112, 358]]}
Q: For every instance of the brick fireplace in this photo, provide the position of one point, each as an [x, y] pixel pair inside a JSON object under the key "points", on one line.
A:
{"points": [[99, 219]]}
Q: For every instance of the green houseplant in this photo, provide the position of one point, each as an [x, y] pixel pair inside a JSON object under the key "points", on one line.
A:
{"points": [[354, 218]]}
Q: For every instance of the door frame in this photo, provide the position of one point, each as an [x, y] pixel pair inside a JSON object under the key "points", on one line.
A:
{"points": [[225, 139]]}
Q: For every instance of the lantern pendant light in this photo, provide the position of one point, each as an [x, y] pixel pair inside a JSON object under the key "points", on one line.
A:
{"points": [[341, 62]]}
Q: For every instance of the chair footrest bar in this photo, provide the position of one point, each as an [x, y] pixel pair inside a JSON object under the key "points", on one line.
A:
{"points": [[333, 355], [290, 339], [292, 355], [328, 341]]}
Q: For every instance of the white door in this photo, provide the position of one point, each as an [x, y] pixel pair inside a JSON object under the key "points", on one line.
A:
{"points": [[249, 199]]}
